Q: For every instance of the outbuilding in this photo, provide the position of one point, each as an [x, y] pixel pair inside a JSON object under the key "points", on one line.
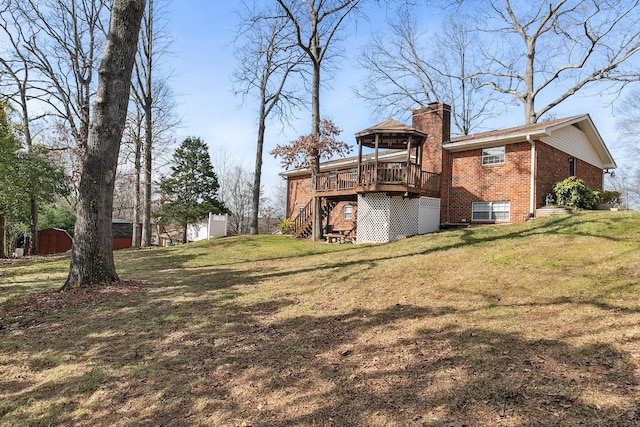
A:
{"points": [[53, 241]]}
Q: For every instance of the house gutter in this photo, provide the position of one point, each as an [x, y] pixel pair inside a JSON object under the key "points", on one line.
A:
{"points": [[532, 195]]}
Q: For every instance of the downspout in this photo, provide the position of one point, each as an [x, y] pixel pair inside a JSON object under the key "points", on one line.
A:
{"points": [[532, 194], [449, 184]]}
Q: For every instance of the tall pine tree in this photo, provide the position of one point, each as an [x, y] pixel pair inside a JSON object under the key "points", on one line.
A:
{"points": [[190, 192]]}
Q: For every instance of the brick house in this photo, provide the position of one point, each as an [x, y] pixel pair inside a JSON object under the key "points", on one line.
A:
{"points": [[417, 178]]}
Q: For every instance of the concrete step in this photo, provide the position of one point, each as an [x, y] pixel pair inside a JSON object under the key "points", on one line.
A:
{"points": [[548, 211]]}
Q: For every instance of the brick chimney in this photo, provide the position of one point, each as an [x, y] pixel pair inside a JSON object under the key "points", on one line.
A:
{"points": [[435, 121]]}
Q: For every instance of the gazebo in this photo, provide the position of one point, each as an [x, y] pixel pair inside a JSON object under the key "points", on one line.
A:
{"points": [[394, 167]]}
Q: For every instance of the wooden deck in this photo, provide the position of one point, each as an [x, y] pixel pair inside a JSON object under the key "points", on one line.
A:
{"points": [[390, 177]]}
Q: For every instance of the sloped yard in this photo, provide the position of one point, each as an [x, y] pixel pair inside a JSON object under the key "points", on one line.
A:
{"points": [[523, 325]]}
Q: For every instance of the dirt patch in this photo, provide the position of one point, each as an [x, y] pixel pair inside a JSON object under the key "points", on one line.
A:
{"points": [[46, 302]]}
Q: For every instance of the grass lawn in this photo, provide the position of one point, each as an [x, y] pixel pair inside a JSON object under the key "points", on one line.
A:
{"points": [[535, 324]]}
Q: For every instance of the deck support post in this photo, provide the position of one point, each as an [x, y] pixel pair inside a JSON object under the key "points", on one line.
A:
{"points": [[375, 167], [359, 173]]}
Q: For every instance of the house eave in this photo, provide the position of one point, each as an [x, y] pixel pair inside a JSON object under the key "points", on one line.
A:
{"points": [[492, 141], [583, 122]]}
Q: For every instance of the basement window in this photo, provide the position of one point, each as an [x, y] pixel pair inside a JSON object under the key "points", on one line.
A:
{"points": [[348, 212], [490, 211], [492, 155]]}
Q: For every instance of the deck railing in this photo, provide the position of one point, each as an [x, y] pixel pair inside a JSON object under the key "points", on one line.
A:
{"points": [[385, 173]]}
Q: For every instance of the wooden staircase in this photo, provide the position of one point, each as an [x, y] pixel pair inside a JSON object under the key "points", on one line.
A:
{"points": [[303, 223]]}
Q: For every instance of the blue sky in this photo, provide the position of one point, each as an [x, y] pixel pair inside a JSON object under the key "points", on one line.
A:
{"points": [[202, 62]]}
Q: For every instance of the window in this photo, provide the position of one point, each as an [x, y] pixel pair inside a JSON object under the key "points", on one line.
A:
{"points": [[572, 166], [492, 155], [490, 211], [348, 212]]}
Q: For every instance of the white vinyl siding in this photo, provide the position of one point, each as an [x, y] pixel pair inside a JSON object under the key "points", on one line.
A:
{"points": [[490, 211], [574, 142], [493, 155]]}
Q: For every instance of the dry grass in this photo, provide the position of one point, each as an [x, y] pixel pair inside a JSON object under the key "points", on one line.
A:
{"points": [[524, 325]]}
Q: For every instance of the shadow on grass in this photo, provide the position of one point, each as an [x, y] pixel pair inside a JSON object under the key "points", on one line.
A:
{"points": [[213, 361], [192, 352], [178, 268]]}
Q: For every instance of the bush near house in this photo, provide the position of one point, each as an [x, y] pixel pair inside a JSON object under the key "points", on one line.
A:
{"points": [[608, 197], [286, 226], [573, 192]]}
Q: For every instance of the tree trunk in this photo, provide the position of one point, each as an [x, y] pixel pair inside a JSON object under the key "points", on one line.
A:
{"points": [[33, 202], [136, 202], [3, 237], [33, 247], [92, 253], [146, 198], [529, 99], [148, 129], [258, 172], [315, 131]]}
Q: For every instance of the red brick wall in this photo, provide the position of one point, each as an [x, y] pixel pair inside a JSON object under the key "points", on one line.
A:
{"points": [[336, 217], [298, 194], [435, 121], [472, 182], [553, 166]]}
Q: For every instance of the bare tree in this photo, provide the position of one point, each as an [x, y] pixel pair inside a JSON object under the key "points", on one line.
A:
{"points": [[123, 203], [548, 51], [626, 181], [153, 98], [408, 69], [628, 123], [280, 199], [267, 60], [627, 178], [64, 45], [18, 86], [132, 147], [239, 199], [92, 253], [317, 25], [223, 164]]}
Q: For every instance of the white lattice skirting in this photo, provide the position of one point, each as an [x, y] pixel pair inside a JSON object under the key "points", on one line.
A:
{"points": [[383, 218]]}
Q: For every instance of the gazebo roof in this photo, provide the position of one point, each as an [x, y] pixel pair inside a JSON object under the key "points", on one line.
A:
{"points": [[391, 134]]}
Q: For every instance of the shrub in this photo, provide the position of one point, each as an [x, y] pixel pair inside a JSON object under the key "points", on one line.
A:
{"points": [[608, 197], [286, 226], [574, 193]]}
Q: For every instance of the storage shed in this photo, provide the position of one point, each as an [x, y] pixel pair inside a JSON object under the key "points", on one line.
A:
{"points": [[53, 241], [122, 231]]}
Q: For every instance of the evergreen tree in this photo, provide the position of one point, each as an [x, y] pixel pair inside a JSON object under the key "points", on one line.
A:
{"points": [[190, 192], [24, 176], [9, 145]]}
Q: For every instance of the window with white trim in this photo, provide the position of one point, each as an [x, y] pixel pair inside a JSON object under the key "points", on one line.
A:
{"points": [[348, 212], [493, 155], [490, 211]]}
